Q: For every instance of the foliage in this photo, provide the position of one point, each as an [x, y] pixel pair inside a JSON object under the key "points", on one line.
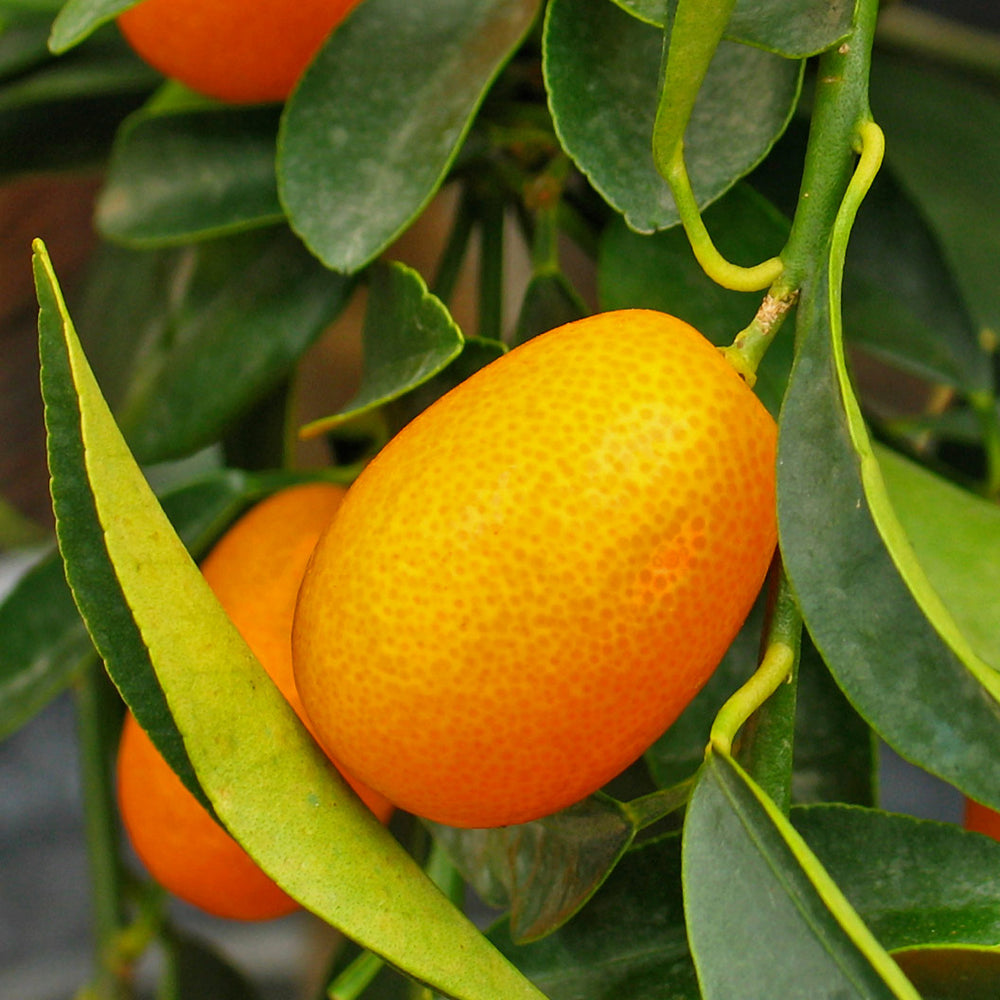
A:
{"points": [[718, 160]]}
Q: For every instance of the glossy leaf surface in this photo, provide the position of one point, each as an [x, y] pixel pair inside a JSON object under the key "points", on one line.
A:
{"points": [[270, 785], [791, 28], [190, 174], [781, 928], [188, 340], [78, 18], [373, 126], [867, 602], [601, 72]]}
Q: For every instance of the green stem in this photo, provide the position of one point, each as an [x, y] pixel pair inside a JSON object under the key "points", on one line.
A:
{"points": [[453, 256], [776, 667], [985, 406], [356, 978], [98, 712], [840, 109], [768, 740]]}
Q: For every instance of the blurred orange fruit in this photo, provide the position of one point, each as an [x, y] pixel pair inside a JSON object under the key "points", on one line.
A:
{"points": [[982, 819], [255, 570], [181, 845], [237, 52], [533, 579]]}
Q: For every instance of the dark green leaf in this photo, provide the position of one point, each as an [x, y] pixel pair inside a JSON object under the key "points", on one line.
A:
{"points": [[373, 126], [910, 313], [956, 536], [176, 177], [835, 751], [190, 339], [915, 882], [948, 158], [194, 969], [22, 43], [764, 919], [408, 337], [78, 18], [792, 28], [952, 973], [601, 71], [149, 609], [659, 271], [550, 300], [629, 941], [866, 605]]}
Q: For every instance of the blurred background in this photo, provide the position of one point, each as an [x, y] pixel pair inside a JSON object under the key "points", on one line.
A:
{"points": [[45, 945]]}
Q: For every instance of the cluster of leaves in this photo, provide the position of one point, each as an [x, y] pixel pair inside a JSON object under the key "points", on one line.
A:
{"points": [[234, 236]]}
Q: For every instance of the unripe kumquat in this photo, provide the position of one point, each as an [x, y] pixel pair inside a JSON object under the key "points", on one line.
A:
{"points": [[234, 51], [536, 575]]}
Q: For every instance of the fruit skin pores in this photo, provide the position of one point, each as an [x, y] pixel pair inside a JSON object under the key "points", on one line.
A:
{"points": [[532, 580]]}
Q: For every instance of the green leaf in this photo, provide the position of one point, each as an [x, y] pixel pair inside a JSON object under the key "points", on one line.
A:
{"points": [[376, 121], [915, 882], [888, 640], [194, 969], [550, 300], [601, 70], [948, 158], [629, 941], [791, 28], [956, 537], [952, 973], [911, 314], [835, 756], [146, 603], [22, 43], [64, 112], [188, 340], [659, 271], [79, 18], [188, 174], [408, 337], [782, 927]]}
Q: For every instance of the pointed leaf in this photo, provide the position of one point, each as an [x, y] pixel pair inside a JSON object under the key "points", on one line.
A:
{"points": [[182, 175], [916, 883], [268, 782], [659, 271], [196, 336], [408, 337], [78, 18], [629, 941], [888, 640], [792, 28], [601, 70], [782, 928], [373, 126]]}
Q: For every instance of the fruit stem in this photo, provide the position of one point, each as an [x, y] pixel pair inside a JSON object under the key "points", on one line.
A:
{"points": [[776, 667], [98, 712], [356, 978], [491, 260], [453, 256]]}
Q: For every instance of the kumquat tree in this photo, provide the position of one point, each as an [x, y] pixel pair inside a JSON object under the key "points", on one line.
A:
{"points": [[517, 470]]}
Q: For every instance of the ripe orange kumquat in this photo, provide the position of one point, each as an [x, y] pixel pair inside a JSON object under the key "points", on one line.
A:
{"points": [[234, 51], [533, 579], [982, 819]]}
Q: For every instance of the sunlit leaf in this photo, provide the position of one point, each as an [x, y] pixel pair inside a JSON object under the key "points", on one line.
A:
{"points": [[373, 126], [78, 18], [143, 597], [601, 71]]}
